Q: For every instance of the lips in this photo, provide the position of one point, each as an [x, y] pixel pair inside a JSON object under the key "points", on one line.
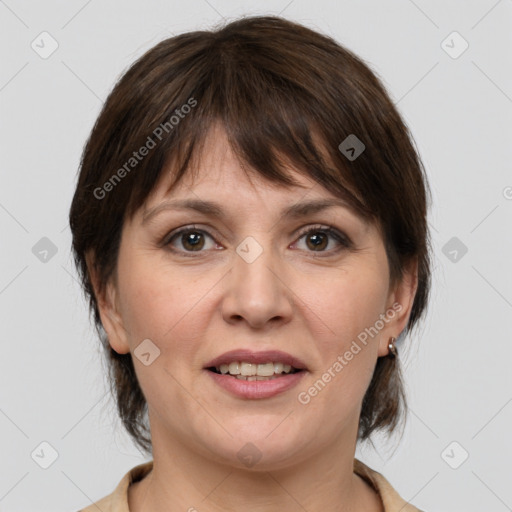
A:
{"points": [[255, 387], [249, 356], [256, 390]]}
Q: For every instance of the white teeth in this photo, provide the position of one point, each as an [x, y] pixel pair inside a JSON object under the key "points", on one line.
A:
{"points": [[248, 369], [245, 370], [278, 367], [255, 377], [265, 370], [234, 368]]}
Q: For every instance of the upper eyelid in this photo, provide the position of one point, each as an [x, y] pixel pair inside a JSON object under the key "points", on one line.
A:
{"points": [[206, 229]]}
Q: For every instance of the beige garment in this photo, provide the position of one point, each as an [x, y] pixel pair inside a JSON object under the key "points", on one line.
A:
{"points": [[118, 500]]}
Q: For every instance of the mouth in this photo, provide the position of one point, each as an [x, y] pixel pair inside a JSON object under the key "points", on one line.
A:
{"points": [[244, 370], [256, 375]]}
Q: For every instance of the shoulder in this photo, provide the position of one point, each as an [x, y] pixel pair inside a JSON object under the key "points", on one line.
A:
{"points": [[390, 498], [117, 501]]}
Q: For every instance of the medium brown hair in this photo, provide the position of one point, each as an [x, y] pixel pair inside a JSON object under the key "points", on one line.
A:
{"points": [[284, 94]]}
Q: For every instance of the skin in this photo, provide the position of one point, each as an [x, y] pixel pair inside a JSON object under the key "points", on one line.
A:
{"points": [[306, 302]]}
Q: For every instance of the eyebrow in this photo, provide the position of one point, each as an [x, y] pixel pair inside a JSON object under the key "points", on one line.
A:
{"points": [[215, 210]]}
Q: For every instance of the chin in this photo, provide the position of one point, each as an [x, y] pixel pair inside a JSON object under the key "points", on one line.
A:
{"points": [[260, 449]]}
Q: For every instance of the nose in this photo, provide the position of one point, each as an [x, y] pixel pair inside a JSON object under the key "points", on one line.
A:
{"points": [[257, 292]]}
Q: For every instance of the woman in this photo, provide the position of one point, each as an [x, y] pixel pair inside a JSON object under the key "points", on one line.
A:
{"points": [[250, 228]]}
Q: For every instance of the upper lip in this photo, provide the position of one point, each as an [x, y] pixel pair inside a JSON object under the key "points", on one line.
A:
{"points": [[249, 356]]}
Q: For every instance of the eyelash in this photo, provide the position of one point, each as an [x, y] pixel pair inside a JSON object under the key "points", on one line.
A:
{"points": [[342, 239]]}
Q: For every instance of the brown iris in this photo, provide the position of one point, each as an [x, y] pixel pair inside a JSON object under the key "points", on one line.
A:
{"points": [[193, 240], [318, 242]]}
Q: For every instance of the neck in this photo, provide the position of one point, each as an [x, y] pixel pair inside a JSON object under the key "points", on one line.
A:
{"points": [[182, 479]]}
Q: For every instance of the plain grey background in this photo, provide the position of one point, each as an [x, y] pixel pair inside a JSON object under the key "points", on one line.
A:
{"points": [[456, 450]]}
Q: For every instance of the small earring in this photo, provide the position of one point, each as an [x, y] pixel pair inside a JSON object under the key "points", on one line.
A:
{"points": [[392, 349]]}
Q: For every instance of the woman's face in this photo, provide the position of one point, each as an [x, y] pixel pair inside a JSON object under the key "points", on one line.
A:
{"points": [[251, 279]]}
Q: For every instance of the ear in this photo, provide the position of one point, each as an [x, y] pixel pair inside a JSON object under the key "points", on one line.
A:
{"points": [[399, 306], [108, 308]]}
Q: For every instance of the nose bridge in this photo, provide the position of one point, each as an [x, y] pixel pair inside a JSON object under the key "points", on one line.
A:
{"points": [[253, 261], [256, 290]]}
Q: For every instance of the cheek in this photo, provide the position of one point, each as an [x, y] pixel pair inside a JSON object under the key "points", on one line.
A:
{"points": [[359, 299], [348, 305], [164, 308]]}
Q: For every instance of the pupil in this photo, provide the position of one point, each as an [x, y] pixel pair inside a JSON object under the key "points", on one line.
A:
{"points": [[192, 239], [317, 241]]}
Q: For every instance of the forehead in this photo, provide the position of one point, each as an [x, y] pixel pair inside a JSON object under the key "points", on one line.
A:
{"points": [[220, 184], [216, 170], [224, 184], [241, 200]]}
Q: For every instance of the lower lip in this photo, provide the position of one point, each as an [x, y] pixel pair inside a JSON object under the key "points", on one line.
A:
{"points": [[256, 389]]}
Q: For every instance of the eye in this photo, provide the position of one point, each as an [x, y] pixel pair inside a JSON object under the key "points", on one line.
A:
{"points": [[317, 238], [191, 239]]}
